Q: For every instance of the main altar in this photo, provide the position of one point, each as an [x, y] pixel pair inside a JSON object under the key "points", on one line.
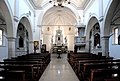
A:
{"points": [[59, 44]]}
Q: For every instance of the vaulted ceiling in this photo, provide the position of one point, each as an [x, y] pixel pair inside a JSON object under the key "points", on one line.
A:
{"points": [[75, 3], [59, 16]]}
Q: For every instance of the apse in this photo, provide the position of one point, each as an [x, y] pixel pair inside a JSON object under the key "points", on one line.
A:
{"points": [[58, 19]]}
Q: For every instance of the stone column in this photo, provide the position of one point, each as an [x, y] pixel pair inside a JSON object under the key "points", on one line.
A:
{"points": [[105, 46], [87, 47], [31, 46], [11, 47]]}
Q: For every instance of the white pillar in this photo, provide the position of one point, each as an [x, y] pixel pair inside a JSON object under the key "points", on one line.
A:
{"points": [[101, 9], [31, 46], [11, 47], [105, 46], [87, 47]]}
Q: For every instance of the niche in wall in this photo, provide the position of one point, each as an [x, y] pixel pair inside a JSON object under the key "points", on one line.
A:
{"points": [[96, 39], [21, 42], [20, 35]]}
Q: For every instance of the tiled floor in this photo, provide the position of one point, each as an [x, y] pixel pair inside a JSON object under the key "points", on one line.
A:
{"points": [[59, 70]]}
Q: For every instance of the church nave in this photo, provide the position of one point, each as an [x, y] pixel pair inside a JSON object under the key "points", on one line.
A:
{"points": [[59, 70]]}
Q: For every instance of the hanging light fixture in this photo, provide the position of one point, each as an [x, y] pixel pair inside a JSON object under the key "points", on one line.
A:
{"points": [[59, 3]]}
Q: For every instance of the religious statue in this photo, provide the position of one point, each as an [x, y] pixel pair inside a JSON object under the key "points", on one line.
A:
{"points": [[65, 40], [52, 40]]}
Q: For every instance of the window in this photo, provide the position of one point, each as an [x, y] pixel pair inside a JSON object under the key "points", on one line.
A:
{"points": [[116, 35], [1, 36]]}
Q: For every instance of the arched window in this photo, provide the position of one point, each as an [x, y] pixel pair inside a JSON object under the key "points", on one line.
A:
{"points": [[119, 40], [115, 38], [1, 37]]}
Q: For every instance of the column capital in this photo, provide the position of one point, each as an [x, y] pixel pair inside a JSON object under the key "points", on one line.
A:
{"points": [[11, 38], [31, 41], [105, 37]]}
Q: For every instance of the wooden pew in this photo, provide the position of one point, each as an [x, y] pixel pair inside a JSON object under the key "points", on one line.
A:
{"points": [[29, 70], [88, 66], [80, 65], [35, 63], [102, 74], [107, 60], [112, 79], [12, 75]]}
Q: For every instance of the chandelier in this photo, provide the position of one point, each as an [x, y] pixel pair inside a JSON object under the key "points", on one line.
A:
{"points": [[59, 3]]}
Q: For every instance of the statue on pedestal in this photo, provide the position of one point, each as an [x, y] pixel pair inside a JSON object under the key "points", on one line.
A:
{"points": [[65, 40], [52, 40]]}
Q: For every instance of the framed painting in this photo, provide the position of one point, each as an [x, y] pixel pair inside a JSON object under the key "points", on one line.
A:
{"points": [[36, 45]]}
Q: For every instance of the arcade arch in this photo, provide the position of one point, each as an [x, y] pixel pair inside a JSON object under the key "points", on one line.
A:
{"points": [[93, 36], [24, 37], [112, 20], [6, 23], [59, 19]]}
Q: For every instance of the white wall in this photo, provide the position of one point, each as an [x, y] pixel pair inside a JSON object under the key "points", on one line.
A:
{"points": [[91, 10], [18, 9], [23, 9], [3, 52], [11, 4], [4, 49], [105, 5], [114, 50]]}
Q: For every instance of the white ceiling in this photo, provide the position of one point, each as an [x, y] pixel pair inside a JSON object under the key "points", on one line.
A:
{"points": [[59, 16], [76, 3]]}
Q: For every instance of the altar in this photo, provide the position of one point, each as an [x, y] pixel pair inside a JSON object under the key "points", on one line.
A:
{"points": [[55, 48], [59, 43]]}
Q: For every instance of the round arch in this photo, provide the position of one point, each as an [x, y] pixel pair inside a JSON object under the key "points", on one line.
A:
{"points": [[108, 17], [48, 8], [111, 20], [27, 23], [91, 23], [56, 11], [55, 18], [6, 12], [28, 27]]}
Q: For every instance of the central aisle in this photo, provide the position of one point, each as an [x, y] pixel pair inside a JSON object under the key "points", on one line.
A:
{"points": [[59, 70]]}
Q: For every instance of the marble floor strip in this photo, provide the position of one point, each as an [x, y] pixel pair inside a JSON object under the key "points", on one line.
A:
{"points": [[59, 70]]}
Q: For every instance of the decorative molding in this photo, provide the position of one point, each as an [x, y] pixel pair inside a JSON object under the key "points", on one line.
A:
{"points": [[101, 18], [105, 37], [40, 26], [16, 18], [29, 4], [88, 5], [11, 38], [31, 41], [80, 26], [76, 7], [85, 4]]}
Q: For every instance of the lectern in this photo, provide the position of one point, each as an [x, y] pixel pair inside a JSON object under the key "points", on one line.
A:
{"points": [[59, 52]]}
